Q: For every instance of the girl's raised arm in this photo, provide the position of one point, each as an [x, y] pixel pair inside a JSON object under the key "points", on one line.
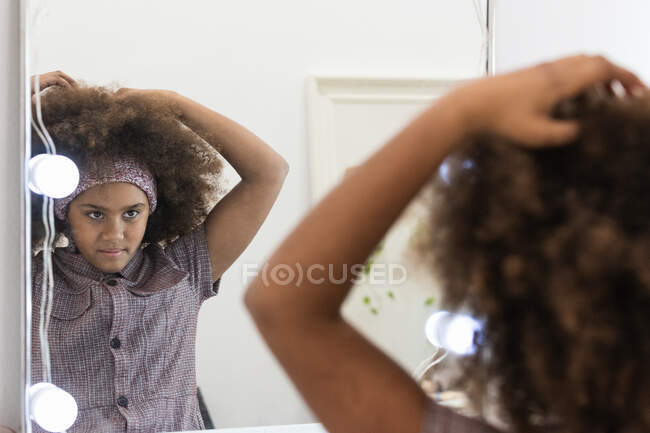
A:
{"points": [[350, 385], [236, 218]]}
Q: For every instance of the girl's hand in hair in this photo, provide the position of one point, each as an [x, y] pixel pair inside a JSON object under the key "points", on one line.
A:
{"points": [[518, 105], [127, 92], [167, 96], [55, 78]]}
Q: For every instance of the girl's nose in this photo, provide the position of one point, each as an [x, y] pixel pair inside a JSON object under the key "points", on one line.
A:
{"points": [[113, 230]]}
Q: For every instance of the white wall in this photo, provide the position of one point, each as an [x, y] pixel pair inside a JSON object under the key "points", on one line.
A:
{"points": [[10, 216], [531, 31], [249, 59]]}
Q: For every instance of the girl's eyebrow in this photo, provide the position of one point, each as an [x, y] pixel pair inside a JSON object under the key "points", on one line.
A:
{"points": [[94, 206]]}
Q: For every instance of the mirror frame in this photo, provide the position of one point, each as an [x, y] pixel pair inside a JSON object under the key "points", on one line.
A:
{"points": [[25, 204], [25, 198]]}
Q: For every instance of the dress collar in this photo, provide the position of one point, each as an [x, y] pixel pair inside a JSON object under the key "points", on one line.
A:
{"points": [[148, 272]]}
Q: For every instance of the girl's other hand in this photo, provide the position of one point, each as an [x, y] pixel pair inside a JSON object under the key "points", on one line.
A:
{"points": [[126, 92], [55, 78], [518, 105]]}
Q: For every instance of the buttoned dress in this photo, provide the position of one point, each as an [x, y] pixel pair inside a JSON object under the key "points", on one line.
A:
{"points": [[124, 344]]}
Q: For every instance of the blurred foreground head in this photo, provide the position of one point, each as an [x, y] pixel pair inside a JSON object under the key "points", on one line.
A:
{"points": [[551, 248]]}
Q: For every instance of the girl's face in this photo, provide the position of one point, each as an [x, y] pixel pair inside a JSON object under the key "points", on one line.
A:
{"points": [[108, 223]]}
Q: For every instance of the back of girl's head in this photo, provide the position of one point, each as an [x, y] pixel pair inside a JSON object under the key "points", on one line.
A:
{"points": [[551, 248], [91, 124]]}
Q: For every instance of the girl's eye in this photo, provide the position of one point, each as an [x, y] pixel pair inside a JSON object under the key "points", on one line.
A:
{"points": [[94, 215], [131, 213]]}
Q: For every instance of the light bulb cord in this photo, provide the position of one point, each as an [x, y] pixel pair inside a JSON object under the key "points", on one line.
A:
{"points": [[47, 214], [482, 17], [426, 365], [41, 130]]}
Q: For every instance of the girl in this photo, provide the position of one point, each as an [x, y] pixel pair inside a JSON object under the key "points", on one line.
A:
{"points": [[549, 245], [145, 248]]}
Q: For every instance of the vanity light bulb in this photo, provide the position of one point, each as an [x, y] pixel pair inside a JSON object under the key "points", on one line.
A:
{"points": [[51, 407], [443, 171], [454, 332], [53, 175], [450, 169]]}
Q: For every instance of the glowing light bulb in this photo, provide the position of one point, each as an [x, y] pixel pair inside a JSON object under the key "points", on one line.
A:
{"points": [[444, 172], [53, 175], [454, 332], [51, 407], [450, 169]]}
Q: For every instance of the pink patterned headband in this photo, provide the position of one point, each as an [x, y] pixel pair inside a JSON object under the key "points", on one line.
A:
{"points": [[123, 170]]}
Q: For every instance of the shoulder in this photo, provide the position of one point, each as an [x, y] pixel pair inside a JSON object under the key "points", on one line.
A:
{"points": [[188, 247], [190, 253]]}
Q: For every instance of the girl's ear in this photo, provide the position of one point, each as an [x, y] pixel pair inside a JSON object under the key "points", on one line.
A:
{"points": [[67, 232]]}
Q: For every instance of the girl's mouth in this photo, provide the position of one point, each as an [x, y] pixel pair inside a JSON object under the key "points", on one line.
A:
{"points": [[111, 253]]}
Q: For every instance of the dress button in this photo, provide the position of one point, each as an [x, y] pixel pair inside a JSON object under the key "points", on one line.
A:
{"points": [[122, 401], [111, 282], [116, 343]]}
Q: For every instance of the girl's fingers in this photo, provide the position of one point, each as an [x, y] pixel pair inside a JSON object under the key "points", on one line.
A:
{"points": [[50, 81], [573, 74], [61, 82], [122, 91], [69, 79], [44, 81], [630, 81], [56, 78], [548, 133]]}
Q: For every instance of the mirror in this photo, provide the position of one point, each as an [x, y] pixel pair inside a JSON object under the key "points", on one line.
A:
{"points": [[323, 83]]}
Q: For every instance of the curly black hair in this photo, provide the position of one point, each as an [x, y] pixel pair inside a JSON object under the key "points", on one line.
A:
{"points": [[92, 124], [551, 249]]}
